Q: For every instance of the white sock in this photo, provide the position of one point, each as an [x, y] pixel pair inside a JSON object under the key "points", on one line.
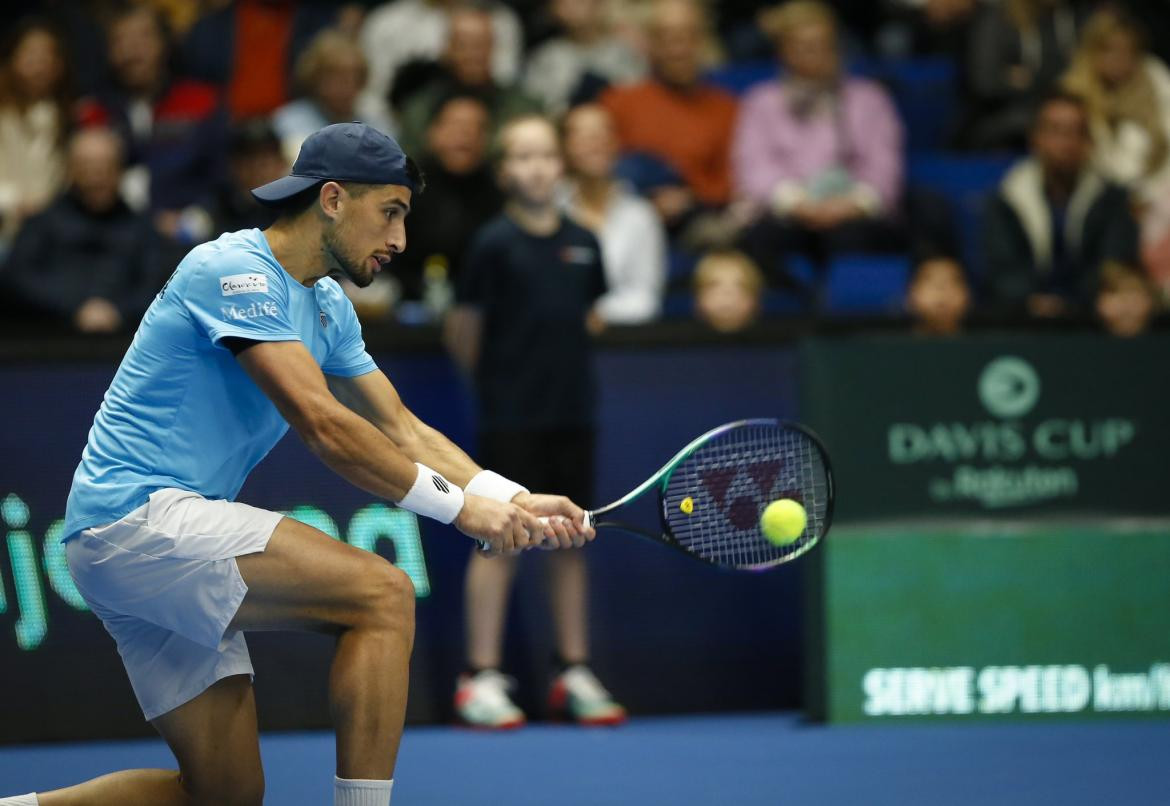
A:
{"points": [[21, 800], [361, 792]]}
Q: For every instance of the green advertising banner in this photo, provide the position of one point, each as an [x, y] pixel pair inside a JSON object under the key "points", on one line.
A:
{"points": [[1001, 425], [985, 621]]}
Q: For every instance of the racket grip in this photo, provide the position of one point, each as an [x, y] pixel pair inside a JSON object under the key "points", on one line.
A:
{"points": [[586, 522]]}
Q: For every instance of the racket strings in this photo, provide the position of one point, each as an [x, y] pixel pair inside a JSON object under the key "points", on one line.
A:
{"points": [[731, 478]]}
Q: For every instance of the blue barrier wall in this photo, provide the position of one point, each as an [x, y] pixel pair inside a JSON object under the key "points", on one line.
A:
{"points": [[670, 634]]}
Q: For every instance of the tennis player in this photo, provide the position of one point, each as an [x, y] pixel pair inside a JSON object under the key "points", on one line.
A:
{"points": [[247, 337]]}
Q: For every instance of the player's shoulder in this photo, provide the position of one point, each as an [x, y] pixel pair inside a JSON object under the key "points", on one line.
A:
{"points": [[241, 241], [231, 255], [330, 295]]}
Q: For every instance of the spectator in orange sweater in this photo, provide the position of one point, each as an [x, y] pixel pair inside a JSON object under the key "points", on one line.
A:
{"points": [[675, 118]]}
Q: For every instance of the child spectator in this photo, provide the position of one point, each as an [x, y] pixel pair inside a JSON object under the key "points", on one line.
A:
{"points": [[1016, 54], [939, 296], [1055, 219], [87, 258], [175, 128], [467, 68], [675, 118], [1127, 93], [586, 56], [1126, 300], [532, 278], [330, 73], [819, 153], [35, 111], [728, 290], [633, 242]]}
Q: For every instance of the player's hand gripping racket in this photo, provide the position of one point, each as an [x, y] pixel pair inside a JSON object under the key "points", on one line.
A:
{"points": [[712, 493]]}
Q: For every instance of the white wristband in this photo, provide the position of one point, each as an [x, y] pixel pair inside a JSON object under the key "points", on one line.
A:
{"points": [[494, 486], [433, 496]]}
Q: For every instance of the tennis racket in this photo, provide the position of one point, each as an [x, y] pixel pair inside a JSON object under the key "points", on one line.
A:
{"points": [[712, 493]]}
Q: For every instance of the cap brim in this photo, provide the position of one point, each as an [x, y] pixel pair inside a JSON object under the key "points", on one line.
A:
{"points": [[283, 188]]}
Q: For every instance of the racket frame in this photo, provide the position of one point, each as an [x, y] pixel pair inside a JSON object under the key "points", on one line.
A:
{"points": [[661, 480]]}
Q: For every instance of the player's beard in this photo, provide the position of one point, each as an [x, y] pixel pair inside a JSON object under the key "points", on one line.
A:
{"points": [[333, 242]]}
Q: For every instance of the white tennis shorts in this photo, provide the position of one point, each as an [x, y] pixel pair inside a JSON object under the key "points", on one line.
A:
{"points": [[164, 582]]}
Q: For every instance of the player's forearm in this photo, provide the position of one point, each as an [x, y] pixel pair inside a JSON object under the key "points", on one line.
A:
{"points": [[362, 454], [433, 449]]}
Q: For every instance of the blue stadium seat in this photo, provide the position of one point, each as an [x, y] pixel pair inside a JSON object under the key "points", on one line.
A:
{"points": [[966, 181], [866, 284], [801, 269], [926, 94]]}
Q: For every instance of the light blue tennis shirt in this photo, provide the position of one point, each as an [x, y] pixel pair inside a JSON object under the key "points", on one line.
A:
{"points": [[181, 412]]}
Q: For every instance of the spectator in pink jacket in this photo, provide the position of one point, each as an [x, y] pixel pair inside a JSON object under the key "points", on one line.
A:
{"points": [[819, 153]]}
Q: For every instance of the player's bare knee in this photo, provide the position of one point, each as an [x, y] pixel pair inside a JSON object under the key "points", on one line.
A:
{"points": [[388, 597]]}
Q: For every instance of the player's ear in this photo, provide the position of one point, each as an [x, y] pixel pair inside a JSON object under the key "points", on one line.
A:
{"points": [[330, 198]]}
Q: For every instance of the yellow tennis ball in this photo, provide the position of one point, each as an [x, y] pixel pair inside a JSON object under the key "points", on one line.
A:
{"points": [[687, 505], [783, 521]]}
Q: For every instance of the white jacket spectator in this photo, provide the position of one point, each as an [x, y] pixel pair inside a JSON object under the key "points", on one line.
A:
{"points": [[633, 241]]}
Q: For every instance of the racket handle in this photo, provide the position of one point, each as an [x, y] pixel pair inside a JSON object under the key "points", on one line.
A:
{"points": [[586, 522]]}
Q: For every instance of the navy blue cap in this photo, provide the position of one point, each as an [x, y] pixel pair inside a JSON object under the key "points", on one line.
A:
{"points": [[343, 152]]}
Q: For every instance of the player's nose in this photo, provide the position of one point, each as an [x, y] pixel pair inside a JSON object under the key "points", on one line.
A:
{"points": [[396, 240]]}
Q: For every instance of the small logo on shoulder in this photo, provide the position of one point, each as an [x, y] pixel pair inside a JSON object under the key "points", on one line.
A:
{"points": [[324, 320], [243, 284]]}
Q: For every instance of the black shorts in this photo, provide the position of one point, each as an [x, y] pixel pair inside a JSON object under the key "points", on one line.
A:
{"points": [[558, 461]]}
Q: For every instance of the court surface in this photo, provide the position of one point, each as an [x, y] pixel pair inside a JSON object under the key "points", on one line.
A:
{"points": [[746, 760]]}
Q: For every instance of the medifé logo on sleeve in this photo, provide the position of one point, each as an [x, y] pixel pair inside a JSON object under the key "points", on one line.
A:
{"points": [[243, 284]]}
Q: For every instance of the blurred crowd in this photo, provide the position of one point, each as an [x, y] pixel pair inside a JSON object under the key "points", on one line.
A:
{"points": [[735, 160]]}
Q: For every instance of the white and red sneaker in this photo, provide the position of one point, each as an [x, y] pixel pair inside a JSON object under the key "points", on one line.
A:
{"points": [[482, 701], [579, 695]]}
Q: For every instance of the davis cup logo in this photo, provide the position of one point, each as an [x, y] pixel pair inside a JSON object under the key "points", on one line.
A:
{"points": [[1009, 387]]}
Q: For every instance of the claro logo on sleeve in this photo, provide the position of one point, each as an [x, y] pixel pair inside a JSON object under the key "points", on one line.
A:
{"points": [[243, 284]]}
